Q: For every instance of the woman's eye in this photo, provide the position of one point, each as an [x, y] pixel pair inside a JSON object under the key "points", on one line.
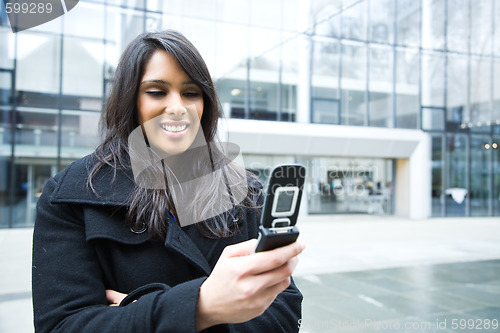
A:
{"points": [[192, 94], [155, 93]]}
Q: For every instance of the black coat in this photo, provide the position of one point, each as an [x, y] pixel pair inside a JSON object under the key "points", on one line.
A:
{"points": [[83, 246]]}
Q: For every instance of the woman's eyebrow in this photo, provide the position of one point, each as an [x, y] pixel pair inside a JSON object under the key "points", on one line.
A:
{"points": [[156, 81], [186, 83]]}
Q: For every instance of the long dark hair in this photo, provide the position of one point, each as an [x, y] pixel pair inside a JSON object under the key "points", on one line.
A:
{"points": [[148, 207]]}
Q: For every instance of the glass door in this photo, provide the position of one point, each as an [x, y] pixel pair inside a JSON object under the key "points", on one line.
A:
{"points": [[480, 155], [455, 188], [30, 179]]}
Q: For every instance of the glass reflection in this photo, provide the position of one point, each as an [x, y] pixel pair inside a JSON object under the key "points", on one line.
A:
{"points": [[456, 184], [437, 171], [343, 185], [496, 175], [407, 88], [480, 155], [380, 87], [353, 84]]}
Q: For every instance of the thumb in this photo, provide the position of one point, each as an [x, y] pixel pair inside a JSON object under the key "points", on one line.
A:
{"points": [[241, 249]]}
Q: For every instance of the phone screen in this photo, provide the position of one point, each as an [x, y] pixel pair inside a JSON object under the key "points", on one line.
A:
{"points": [[285, 200]]}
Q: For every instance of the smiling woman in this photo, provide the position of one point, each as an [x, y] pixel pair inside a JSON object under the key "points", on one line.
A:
{"points": [[103, 238]]}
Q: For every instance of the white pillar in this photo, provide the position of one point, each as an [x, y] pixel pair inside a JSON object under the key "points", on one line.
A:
{"points": [[304, 59], [420, 179]]}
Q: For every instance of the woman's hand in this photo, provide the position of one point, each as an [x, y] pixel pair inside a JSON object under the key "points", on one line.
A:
{"points": [[114, 298], [244, 284]]}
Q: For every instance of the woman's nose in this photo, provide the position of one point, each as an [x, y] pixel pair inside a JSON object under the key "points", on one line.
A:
{"points": [[175, 105]]}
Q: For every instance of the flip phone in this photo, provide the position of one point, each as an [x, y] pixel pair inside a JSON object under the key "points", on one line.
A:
{"points": [[281, 207]]}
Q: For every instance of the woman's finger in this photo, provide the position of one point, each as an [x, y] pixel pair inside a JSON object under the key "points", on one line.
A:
{"points": [[262, 262], [114, 298]]}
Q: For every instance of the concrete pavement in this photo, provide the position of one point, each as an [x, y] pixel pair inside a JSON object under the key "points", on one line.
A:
{"points": [[336, 245]]}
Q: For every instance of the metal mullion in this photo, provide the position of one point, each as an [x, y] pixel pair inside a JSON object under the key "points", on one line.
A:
{"points": [[394, 65], [341, 58], [491, 182], [60, 96], [492, 104], [368, 67], [419, 117], [442, 198], [13, 121], [467, 175]]}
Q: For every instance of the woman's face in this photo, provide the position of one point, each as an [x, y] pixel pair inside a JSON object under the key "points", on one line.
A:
{"points": [[169, 104]]}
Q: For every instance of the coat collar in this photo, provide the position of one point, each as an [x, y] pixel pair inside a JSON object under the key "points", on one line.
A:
{"points": [[112, 187]]}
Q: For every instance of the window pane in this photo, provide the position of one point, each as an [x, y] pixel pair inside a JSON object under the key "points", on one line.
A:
{"points": [[234, 48], [458, 91], [437, 171], [433, 24], [91, 21], [266, 14], [328, 21], [4, 188], [127, 3], [458, 25], [455, 175], [5, 87], [122, 26], [354, 22], [353, 84], [80, 133], [264, 87], [233, 11], [232, 95], [481, 33], [325, 111], [496, 92], [5, 131], [326, 59], [4, 19], [381, 86], [480, 90], [289, 79], [36, 129], [382, 21], [6, 48], [496, 175], [433, 79], [325, 81], [407, 88], [433, 119], [480, 154], [30, 177], [496, 32], [38, 62], [82, 67], [408, 22]]}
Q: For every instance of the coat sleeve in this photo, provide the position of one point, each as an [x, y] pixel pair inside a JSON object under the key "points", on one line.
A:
{"points": [[68, 289], [282, 316]]}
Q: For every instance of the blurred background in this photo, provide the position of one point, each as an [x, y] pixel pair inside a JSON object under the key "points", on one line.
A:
{"points": [[393, 105]]}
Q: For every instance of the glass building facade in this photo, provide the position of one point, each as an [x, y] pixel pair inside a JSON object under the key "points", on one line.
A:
{"points": [[428, 65]]}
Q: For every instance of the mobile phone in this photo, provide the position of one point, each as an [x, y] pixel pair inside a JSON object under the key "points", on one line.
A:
{"points": [[281, 207]]}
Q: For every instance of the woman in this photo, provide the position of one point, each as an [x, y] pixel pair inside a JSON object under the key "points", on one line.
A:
{"points": [[101, 233]]}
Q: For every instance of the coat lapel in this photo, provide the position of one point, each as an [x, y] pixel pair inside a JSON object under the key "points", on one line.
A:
{"points": [[177, 240]]}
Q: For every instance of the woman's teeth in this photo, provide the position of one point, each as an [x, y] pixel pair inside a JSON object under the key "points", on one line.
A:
{"points": [[174, 128]]}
